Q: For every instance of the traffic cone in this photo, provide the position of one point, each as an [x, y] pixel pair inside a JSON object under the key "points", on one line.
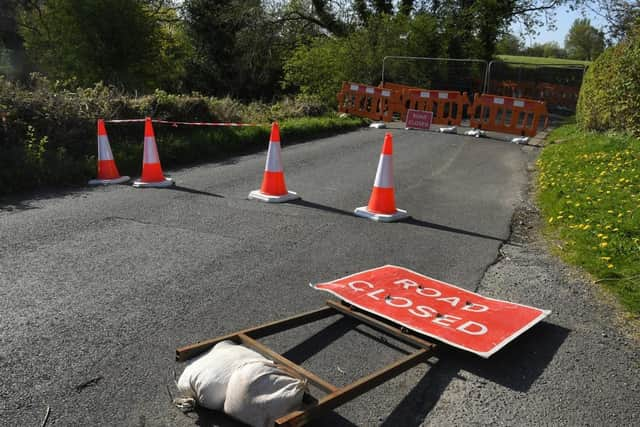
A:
{"points": [[382, 204], [273, 189], [107, 170], [152, 175]]}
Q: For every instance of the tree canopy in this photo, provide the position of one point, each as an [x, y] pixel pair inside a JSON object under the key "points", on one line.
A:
{"points": [[252, 49], [584, 41]]}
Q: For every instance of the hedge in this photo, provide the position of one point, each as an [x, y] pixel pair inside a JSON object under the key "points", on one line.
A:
{"points": [[48, 129], [610, 94]]}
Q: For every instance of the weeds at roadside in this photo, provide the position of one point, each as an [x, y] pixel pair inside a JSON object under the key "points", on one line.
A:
{"points": [[589, 192]]}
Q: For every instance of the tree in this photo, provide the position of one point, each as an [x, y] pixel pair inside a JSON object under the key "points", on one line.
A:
{"points": [[584, 41], [238, 48], [130, 43], [11, 43], [509, 44], [553, 50], [620, 15]]}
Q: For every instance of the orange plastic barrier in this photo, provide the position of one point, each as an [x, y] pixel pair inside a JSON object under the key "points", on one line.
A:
{"points": [[369, 101], [517, 116], [561, 96], [447, 106]]}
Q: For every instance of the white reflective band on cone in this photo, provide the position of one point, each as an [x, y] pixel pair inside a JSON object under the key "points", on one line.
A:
{"points": [[150, 151], [384, 175], [274, 161], [104, 150]]}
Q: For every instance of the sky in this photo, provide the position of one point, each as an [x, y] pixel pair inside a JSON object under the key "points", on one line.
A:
{"points": [[564, 20]]}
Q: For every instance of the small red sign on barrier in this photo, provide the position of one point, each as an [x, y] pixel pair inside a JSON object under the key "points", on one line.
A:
{"points": [[419, 119], [453, 315]]}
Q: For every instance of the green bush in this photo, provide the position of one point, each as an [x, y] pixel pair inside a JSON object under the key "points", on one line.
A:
{"points": [[318, 70], [48, 129], [609, 97]]}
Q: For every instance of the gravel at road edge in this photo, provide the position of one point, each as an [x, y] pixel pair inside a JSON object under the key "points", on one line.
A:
{"points": [[580, 366]]}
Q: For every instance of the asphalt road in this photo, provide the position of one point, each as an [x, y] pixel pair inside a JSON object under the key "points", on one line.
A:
{"points": [[99, 286]]}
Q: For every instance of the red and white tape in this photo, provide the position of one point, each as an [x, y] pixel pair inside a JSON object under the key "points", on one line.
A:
{"points": [[176, 124]]}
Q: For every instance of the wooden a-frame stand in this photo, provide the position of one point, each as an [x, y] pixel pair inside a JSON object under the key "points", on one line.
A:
{"points": [[335, 396]]}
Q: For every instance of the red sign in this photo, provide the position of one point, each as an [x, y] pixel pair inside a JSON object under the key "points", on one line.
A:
{"points": [[419, 119], [453, 315]]}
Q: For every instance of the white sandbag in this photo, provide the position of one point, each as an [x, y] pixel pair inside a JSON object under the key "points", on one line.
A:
{"points": [[207, 377], [261, 392]]}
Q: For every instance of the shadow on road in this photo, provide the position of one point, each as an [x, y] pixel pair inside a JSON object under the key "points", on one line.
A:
{"points": [[321, 339], [410, 221], [312, 205], [420, 223], [193, 191], [517, 366]]}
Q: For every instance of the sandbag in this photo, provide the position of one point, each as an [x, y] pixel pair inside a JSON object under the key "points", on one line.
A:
{"points": [[207, 377], [260, 392]]}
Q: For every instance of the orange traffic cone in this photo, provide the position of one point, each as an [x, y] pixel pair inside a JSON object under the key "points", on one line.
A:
{"points": [[273, 189], [382, 204], [107, 170], [152, 175]]}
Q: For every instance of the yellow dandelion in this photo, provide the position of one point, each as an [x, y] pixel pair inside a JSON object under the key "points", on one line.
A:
{"points": [[604, 244], [609, 265]]}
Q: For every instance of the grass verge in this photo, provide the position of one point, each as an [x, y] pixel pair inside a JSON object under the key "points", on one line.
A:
{"points": [[37, 164], [540, 60], [589, 193]]}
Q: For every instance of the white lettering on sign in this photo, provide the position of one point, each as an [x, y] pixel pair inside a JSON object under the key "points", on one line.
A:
{"points": [[443, 95], [518, 104], [451, 300], [354, 87], [353, 286], [386, 93], [401, 302], [370, 90], [472, 328], [437, 309], [424, 94], [476, 308], [373, 294], [423, 311], [446, 320], [498, 100]]}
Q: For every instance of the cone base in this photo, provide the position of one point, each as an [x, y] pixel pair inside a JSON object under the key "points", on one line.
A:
{"points": [[168, 182], [258, 195], [365, 213], [119, 180]]}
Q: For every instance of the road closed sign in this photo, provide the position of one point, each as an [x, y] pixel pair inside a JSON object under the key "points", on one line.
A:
{"points": [[453, 315], [418, 119]]}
